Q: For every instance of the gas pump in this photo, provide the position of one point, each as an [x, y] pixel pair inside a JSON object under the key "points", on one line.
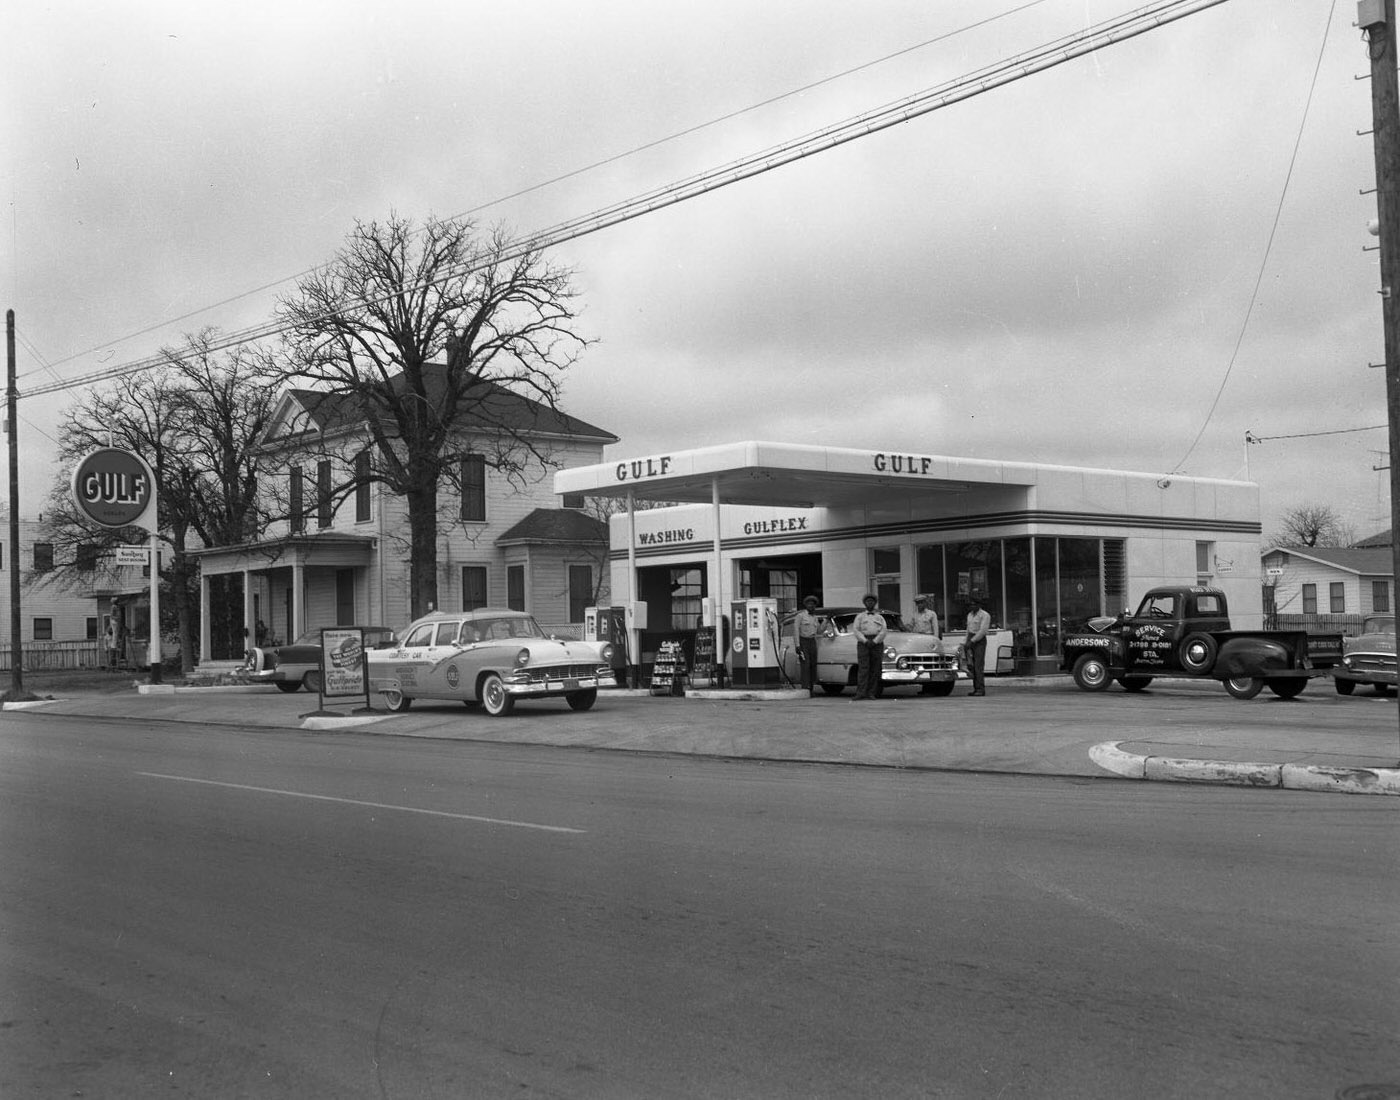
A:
{"points": [[609, 624], [753, 652]]}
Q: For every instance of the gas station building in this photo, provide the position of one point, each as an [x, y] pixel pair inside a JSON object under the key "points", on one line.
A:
{"points": [[1044, 547]]}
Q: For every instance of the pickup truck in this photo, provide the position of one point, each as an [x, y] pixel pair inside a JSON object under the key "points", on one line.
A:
{"points": [[1184, 630]]}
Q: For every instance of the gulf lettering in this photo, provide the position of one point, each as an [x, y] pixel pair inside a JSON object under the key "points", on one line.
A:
{"points": [[888, 463], [643, 467], [114, 488]]}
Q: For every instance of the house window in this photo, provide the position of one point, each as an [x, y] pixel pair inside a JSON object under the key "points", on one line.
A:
{"points": [[574, 500], [43, 630], [43, 558], [515, 587], [1380, 595], [580, 591], [473, 587], [87, 556], [1337, 593], [92, 628], [1309, 599], [474, 489], [362, 486], [296, 501], [324, 512]]}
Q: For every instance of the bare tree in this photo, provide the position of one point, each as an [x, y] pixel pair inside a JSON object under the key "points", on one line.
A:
{"points": [[1313, 525], [370, 326], [195, 420]]}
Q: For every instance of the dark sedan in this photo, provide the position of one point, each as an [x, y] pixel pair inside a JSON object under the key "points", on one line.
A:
{"points": [[298, 665]]}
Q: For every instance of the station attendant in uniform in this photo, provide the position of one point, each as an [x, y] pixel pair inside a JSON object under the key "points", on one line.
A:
{"points": [[869, 629], [925, 620], [978, 623], [808, 625]]}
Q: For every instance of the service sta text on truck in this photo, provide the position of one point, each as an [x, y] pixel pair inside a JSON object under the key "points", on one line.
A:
{"points": [[1184, 630]]}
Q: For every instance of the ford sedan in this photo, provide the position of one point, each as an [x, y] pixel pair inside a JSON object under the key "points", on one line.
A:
{"points": [[908, 659], [489, 656], [1368, 658], [296, 666]]}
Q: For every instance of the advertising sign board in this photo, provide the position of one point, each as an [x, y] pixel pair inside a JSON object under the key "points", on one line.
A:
{"points": [[343, 668], [115, 488]]}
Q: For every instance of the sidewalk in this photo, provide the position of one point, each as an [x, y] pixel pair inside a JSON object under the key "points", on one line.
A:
{"points": [[1179, 732]]}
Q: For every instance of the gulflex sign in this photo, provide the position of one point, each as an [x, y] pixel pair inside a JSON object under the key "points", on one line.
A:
{"points": [[115, 488]]}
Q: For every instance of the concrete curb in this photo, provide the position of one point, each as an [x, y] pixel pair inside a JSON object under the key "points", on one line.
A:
{"points": [[1296, 777]]}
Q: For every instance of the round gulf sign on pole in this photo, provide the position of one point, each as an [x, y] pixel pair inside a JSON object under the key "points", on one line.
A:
{"points": [[115, 488]]}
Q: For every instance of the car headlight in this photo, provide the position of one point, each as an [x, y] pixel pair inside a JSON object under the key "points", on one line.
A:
{"points": [[607, 653], [1346, 661], [522, 658], [890, 653]]}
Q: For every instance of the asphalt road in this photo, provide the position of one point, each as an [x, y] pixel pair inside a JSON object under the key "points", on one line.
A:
{"points": [[197, 912]]}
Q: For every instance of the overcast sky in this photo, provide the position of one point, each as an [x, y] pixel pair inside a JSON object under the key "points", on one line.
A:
{"points": [[1059, 271]]}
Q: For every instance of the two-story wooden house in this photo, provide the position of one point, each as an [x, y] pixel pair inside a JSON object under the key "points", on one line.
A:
{"points": [[337, 557]]}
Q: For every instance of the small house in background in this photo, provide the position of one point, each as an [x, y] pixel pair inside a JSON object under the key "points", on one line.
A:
{"points": [[1328, 589], [340, 559], [65, 598]]}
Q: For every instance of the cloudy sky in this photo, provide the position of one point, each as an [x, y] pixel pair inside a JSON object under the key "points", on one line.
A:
{"points": [[1070, 269]]}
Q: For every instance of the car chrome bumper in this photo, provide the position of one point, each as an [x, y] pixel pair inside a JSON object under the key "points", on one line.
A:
{"points": [[559, 687], [919, 676]]}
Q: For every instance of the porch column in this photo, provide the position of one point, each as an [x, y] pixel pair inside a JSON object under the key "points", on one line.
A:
{"points": [[250, 634], [298, 599], [206, 633]]}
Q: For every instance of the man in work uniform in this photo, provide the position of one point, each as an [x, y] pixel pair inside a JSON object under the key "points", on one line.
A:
{"points": [[978, 623], [925, 620], [869, 629], [808, 625]]}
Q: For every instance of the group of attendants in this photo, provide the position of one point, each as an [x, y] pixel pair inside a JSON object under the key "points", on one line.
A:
{"points": [[869, 627]]}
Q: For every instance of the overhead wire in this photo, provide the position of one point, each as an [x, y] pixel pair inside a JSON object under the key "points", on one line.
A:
{"points": [[655, 143], [998, 74], [1268, 247]]}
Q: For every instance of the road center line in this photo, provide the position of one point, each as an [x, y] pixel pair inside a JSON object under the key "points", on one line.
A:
{"points": [[358, 802]]}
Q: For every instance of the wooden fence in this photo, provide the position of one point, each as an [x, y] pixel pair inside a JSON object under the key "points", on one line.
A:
{"points": [[1347, 625], [55, 656]]}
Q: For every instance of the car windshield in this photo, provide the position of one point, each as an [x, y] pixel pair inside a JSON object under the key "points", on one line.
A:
{"points": [[516, 626], [374, 637], [1379, 624]]}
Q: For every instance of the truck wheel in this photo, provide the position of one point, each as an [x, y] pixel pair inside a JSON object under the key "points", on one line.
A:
{"points": [[1197, 653], [1091, 673], [1345, 687], [1245, 687], [1136, 683], [1288, 688]]}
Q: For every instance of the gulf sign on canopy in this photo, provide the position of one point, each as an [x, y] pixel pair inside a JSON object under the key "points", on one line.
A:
{"points": [[115, 488]]}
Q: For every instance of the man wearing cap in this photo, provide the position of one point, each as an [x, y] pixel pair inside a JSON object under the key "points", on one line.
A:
{"points": [[808, 626], [925, 620], [978, 623], [869, 629]]}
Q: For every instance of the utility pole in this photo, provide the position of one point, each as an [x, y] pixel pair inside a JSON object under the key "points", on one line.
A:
{"points": [[12, 437], [1377, 19]]}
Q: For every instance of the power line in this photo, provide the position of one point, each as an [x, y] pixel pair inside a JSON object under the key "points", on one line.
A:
{"points": [[1250, 437], [1007, 71], [581, 171], [1268, 247]]}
